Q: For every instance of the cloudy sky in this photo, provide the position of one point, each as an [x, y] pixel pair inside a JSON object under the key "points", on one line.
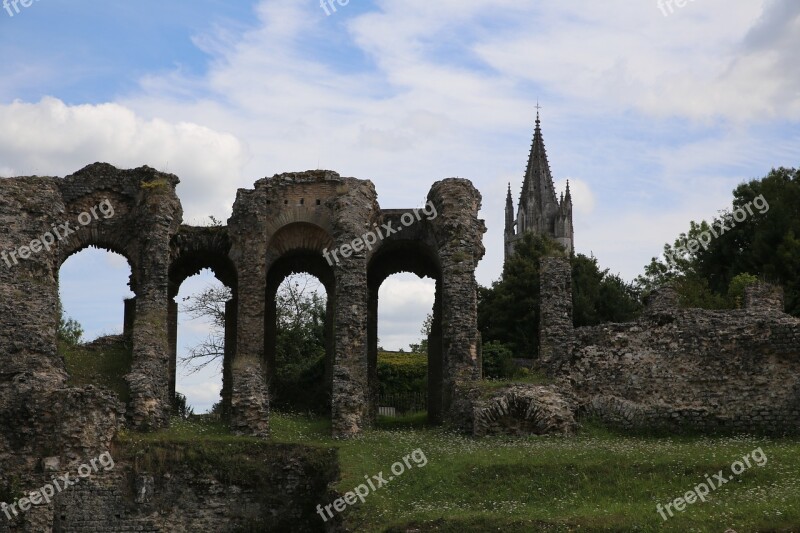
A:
{"points": [[653, 113]]}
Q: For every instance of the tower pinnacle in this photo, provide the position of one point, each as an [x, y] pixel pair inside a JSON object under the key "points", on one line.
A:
{"points": [[540, 209]]}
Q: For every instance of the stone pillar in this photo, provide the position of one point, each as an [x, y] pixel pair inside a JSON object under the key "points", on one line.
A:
{"points": [[271, 336], [330, 342], [249, 394], [149, 379], [555, 316], [372, 352], [130, 315], [459, 235], [158, 213], [350, 392]]}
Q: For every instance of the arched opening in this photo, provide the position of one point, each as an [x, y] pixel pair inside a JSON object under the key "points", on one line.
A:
{"points": [[298, 325], [202, 326], [417, 294], [96, 287]]}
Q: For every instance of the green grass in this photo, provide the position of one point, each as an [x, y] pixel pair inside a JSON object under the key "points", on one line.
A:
{"points": [[99, 366], [597, 481]]}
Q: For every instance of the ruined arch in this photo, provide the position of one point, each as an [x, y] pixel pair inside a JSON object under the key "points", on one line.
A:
{"points": [[417, 257], [297, 249], [193, 250]]}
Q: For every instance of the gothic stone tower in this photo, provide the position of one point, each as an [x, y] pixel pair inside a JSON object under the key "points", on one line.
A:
{"points": [[540, 211]]}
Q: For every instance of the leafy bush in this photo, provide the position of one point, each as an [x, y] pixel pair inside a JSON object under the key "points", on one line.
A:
{"points": [[402, 373], [498, 360]]}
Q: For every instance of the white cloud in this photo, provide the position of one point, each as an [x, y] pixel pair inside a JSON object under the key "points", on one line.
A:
{"points": [[582, 196], [53, 138]]}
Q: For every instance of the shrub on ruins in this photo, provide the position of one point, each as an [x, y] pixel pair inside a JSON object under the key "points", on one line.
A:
{"points": [[758, 238], [508, 311], [498, 360]]}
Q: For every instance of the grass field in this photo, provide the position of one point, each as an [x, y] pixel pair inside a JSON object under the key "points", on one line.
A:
{"points": [[596, 481]]}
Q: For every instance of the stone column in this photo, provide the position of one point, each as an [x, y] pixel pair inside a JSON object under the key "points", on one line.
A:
{"points": [[372, 352], [172, 318], [158, 213], [130, 314], [459, 234], [350, 370], [150, 376], [435, 364], [249, 394], [555, 316]]}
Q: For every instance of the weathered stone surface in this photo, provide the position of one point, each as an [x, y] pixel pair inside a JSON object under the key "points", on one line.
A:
{"points": [[180, 500], [680, 369], [284, 225], [524, 410], [515, 409]]}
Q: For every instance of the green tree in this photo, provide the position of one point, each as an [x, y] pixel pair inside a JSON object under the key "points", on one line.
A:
{"points": [[758, 237], [508, 312], [422, 345], [69, 332]]}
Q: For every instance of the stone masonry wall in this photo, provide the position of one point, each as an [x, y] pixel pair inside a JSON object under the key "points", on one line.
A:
{"points": [[181, 498], [680, 369]]}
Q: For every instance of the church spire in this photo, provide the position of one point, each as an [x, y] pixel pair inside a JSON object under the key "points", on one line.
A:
{"points": [[538, 190], [541, 211], [509, 212]]}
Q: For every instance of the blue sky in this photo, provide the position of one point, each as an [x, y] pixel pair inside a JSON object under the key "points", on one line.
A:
{"points": [[654, 116]]}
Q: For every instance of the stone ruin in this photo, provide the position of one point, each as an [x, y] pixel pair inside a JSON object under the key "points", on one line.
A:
{"points": [[675, 370], [280, 227]]}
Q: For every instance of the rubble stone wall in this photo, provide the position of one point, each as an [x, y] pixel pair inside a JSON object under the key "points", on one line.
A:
{"points": [[676, 369]]}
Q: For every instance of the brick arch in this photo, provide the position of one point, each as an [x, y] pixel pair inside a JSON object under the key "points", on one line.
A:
{"points": [[298, 236]]}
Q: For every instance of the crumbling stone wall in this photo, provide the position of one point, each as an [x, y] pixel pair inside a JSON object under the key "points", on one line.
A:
{"points": [[39, 415], [680, 369], [181, 498]]}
